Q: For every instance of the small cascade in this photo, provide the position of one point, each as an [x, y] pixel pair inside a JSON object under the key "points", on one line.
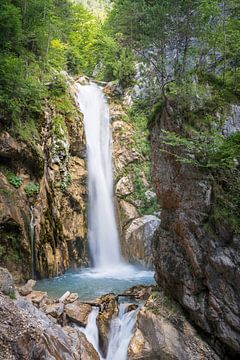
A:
{"points": [[121, 332], [91, 330], [120, 335], [103, 233], [32, 238]]}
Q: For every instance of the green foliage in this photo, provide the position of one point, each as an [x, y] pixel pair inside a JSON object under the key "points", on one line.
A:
{"points": [[66, 182], [148, 206], [208, 150], [32, 189], [12, 295], [14, 179], [195, 35], [226, 209], [59, 127]]}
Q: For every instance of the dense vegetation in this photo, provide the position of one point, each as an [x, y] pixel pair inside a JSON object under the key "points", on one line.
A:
{"points": [[188, 51], [193, 51], [39, 39]]}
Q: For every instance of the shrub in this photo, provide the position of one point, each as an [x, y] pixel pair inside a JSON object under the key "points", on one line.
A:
{"points": [[14, 180], [32, 189]]}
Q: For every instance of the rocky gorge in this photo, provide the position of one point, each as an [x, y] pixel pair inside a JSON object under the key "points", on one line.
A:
{"points": [[47, 328], [197, 265]]}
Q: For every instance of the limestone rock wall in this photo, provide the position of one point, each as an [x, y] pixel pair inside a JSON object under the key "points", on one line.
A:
{"points": [[136, 229], [54, 172], [198, 267]]}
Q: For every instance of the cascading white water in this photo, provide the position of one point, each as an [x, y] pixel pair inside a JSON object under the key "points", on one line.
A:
{"points": [[121, 331], [103, 233], [91, 330]]}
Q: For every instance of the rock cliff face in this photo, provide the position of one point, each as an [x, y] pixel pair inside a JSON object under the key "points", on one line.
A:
{"points": [[43, 197], [200, 268], [163, 332], [137, 230]]}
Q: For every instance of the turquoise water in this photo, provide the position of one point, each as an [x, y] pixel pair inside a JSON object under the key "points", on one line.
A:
{"points": [[90, 283]]}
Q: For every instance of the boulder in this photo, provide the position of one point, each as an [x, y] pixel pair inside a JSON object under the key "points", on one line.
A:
{"points": [[128, 212], [54, 310], [138, 240], [164, 334], [27, 333], [132, 307], [79, 342], [78, 312], [27, 288], [37, 297], [6, 282], [71, 298], [124, 186]]}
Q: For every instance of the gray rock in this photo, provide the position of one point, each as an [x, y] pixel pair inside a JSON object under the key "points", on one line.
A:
{"points": [[138, 240], [163, 334], [124, 186], [78, 312], [27, 288], [6, 282], [233, 123], [197, 266]]}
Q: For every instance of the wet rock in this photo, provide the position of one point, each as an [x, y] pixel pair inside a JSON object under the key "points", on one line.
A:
{"points": [[162, 333], [81, 345], [6, 282], [78, 312], [139, 237], [27, 288], [37, 297], [132, 307], [108, 309], [87, 350]]}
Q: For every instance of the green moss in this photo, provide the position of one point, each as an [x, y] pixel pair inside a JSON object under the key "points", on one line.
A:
{"points": [[14, 179], [59, 127], [161, 304], [32, 189], [27, 131], [226, 207], [66, 182], [12, 295]]}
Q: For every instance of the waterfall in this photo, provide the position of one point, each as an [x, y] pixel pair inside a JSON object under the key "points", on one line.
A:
{"points": [[91, 330], [103, 233], [121, 332], [32, 238]]}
